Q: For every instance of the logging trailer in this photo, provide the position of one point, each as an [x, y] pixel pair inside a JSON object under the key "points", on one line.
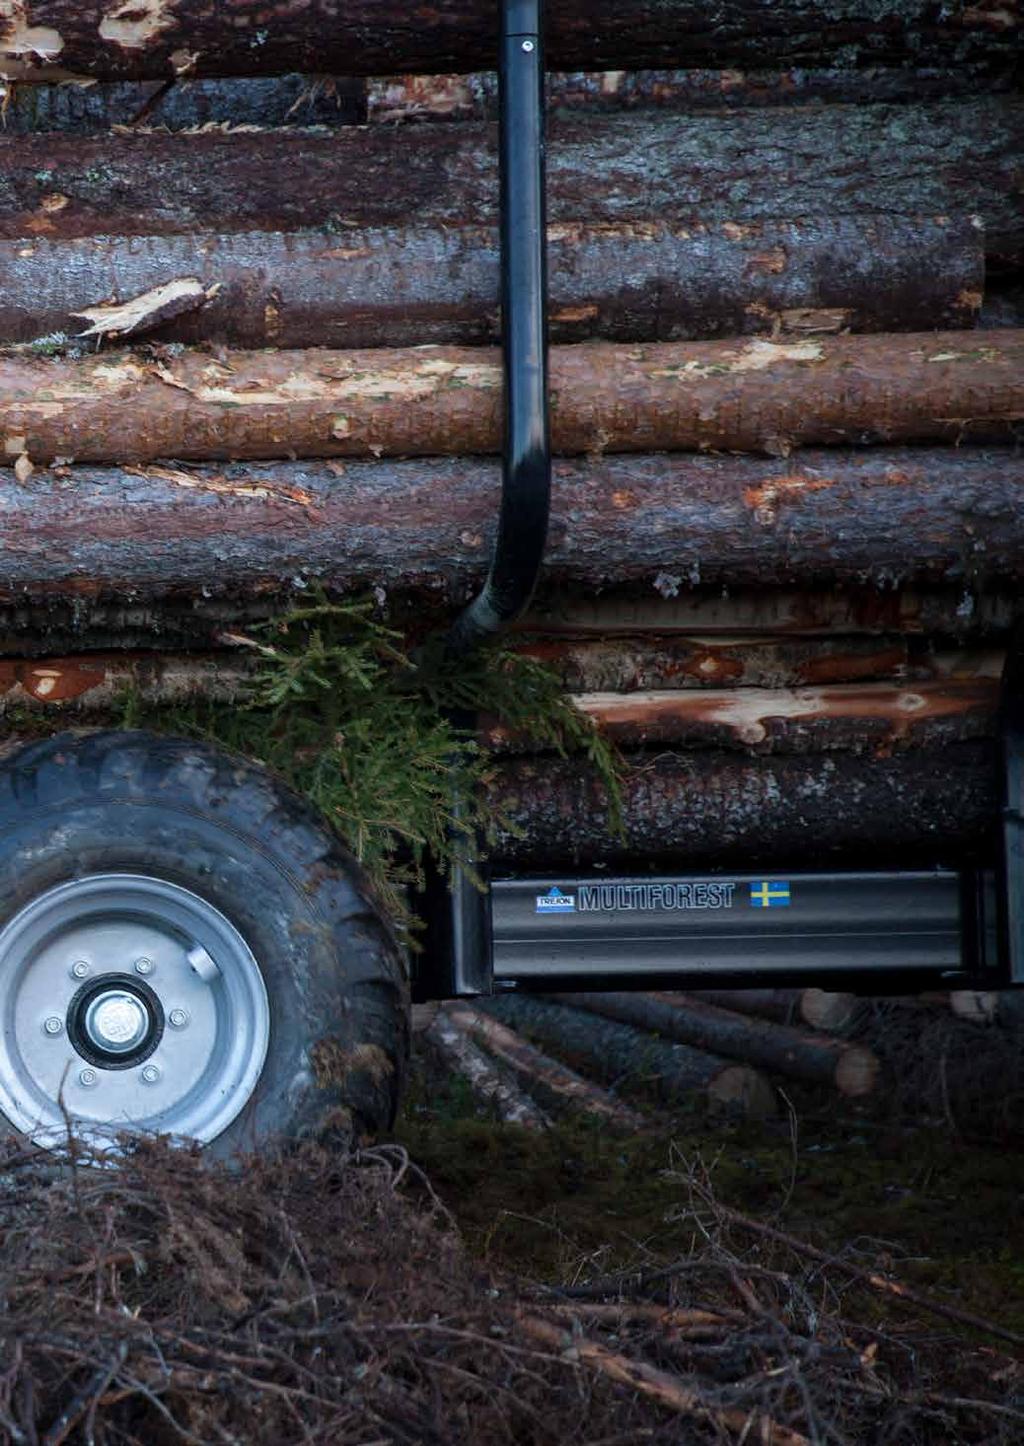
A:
{"points": [[186, 948]]}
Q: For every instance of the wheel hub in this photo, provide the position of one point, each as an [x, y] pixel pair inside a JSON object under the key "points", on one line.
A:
{"points": [[115, 1021]]}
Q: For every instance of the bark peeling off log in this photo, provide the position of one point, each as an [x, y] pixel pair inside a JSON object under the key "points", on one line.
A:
{"points": [[644, 662], [474, 96], [88, 108], [862, 718], [757, 395], [944, 158], [654, 523], [96, 682], [917, 808], [413, 286], [370, 37]]}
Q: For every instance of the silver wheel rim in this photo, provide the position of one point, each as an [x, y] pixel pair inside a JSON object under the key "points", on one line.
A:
{"points": [[131, 1004]]}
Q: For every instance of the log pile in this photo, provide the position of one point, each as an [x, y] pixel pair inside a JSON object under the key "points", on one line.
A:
{"points": [[242, 359]]}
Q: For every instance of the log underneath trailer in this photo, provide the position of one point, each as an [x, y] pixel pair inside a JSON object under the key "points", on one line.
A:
{"points": [[954, 158], [753, 395], [41, 38], [410, 286]]}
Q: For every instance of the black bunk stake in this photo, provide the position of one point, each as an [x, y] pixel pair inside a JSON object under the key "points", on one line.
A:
{"points": [[526, 472], [1010, 874]]}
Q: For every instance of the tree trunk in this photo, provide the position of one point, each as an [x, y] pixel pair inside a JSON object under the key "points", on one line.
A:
{"points": [[371, 37], [410, 287], [946, 158], [645, 662], [672, 396], [850, 1068], [240, 539], [457, 1053], [95, 683], [474, 96], [705, 810], [278, 100], [619, 1053], [561, 1086], [817, 1007]]}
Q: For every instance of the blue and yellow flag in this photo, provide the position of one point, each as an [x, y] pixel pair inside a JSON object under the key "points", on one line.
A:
{"points": [[769, 894]]}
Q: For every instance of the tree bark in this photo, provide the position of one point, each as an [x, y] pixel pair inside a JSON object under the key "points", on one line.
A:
{"points": [[617, 1052], [457, 1052], [278, 100], [850, 1068], [402, 98], [240, 539], [555, 1081], [914, 809], [414, 286], [952, 158], [756, 395], [118, 38], [817, 1007], [95, 682]]}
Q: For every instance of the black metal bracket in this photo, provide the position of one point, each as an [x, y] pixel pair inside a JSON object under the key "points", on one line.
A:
{"points": [[526, 468], [1010, 865]]}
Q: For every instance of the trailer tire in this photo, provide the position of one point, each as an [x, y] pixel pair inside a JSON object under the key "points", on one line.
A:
{"points": [[275, 1004]]}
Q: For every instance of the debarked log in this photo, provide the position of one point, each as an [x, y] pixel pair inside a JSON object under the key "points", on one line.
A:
{"points": [[851, 1068], [657, 525], [952, 158], [409, 286], [916, 808], [755, 395], [117, 38], [617, 1053]]}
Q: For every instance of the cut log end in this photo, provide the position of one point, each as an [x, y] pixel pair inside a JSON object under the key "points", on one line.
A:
{"points": [[828, 1011], [742, 1090], [856, 1072]]}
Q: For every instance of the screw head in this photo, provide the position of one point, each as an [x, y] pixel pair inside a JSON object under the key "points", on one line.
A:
{"points": [[79, 969], [150, 1074], [143, 966], [178, 1018], [528, 46], [88, 1078], [53, 1025]]}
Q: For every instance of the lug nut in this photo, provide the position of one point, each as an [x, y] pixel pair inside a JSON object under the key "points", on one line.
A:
{"points": [[178, 1018], [53, 1025], [88, 1078], [143, 966], [150, 1074], [79, 969]]}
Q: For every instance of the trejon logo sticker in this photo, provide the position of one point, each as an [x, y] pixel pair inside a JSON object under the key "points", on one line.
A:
{"points": [[555, 902]]}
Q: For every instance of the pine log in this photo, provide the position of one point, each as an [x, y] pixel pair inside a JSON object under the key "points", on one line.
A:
{"points": [[651, 661], [492, 1086], [915, 809], [819, 1008], [413, 286], [122, 39], [952, 158], [393, 99], [247, 536], [560, 1085], [850, 1068], [1001, 1007], [96, 683], [617, 1052], [277, 100], [756, 395], [865, 717]]}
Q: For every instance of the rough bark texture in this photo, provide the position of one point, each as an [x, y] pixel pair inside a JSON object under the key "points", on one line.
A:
{"points": [[752, 395], [125, 38], [861, 717], [819, 1008], [457, 1053], [95, 682], [617, 1053], [850, 1068], [956, 158], [917, 808], [644, 663], [394, 98], [297, 100], [660, 525], [413, 286], [553, 1080]]}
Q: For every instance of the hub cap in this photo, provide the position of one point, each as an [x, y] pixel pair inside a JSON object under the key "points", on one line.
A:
{"points": [[190, 1080]]}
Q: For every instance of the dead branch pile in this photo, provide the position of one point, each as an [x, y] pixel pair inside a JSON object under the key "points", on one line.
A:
{"points": [[311, 1299]]}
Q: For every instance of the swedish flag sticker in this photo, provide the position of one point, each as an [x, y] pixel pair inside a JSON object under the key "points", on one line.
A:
{"points": [[769, 894]]}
